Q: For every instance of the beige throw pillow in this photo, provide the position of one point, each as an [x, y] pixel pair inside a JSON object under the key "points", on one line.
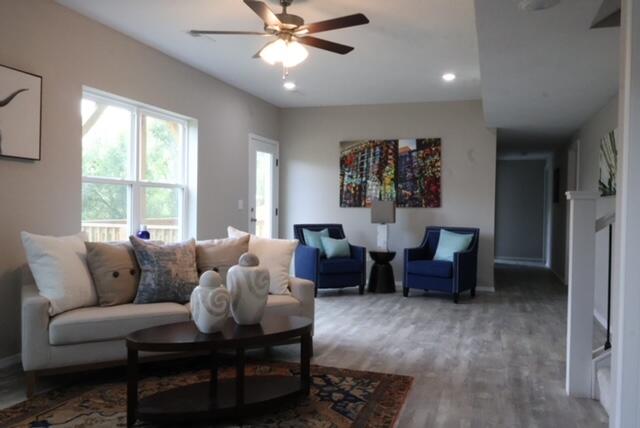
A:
{"points": [[114, 270], [275, 255], [220, 254], [59, 266]]}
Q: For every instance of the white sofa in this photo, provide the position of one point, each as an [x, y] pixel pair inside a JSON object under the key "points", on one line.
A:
{"points": [[94, 336]]}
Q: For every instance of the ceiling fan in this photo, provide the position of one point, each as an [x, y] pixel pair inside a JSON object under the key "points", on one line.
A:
{"points": [[291, 32]]}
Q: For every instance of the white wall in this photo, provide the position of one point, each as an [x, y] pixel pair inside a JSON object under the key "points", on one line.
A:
{"points": [[587, 143], [309, 178], [520, 209], [69, 51]]}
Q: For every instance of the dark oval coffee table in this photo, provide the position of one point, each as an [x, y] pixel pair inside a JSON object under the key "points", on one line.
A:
{"points": [[218, 399]]}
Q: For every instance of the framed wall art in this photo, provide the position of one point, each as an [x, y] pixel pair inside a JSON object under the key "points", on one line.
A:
{"points": [[20, 113]]}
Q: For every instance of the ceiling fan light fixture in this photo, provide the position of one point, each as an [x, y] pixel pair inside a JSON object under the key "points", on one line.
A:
{"points": [[295, 54], [289, 54]]}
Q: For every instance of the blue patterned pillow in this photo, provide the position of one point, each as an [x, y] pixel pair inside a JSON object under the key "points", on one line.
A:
{"points": [[168, 272]]}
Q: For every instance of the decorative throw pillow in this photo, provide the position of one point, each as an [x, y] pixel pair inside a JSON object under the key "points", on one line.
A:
{"points": [[169, 272], [114, 270], [313, 239], [275, 255], [336, 247], [232, 232], [220, 254], [59, 266], [451, 243]]}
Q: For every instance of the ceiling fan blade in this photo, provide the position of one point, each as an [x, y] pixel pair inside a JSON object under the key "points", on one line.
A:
{"points": [[239, 33], [326, 45], [264, 12], [334, 24]]}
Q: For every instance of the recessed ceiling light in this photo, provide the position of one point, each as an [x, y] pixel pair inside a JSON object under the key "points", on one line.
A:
{"points": [[448, 77], [289, 85]]}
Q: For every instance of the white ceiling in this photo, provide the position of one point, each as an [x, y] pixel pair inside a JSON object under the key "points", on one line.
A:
{"points": [[399, 57], [544, 73]]}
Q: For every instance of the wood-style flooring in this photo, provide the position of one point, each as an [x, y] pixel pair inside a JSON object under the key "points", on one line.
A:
{"points": [[495, 361]]}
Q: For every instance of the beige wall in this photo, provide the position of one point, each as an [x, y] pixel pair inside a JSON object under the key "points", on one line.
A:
{"points": [[69, 51], [310, 140]]}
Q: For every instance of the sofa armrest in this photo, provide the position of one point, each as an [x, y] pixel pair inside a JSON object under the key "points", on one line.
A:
{"points": [[359, 253], [35, 328], [307, 262], [465, 266], [419, 253], [303, 290]]}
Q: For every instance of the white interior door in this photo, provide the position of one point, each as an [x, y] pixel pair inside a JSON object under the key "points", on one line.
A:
{"points": [[263, 186]]}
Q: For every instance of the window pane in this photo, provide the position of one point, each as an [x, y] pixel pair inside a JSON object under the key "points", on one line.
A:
{"points": [[106, 140], [264, 194], [161, 150], [105, 211], [160, 212]]}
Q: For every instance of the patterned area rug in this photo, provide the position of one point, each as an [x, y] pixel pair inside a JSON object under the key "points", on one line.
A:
{"points": [[339, 398]]}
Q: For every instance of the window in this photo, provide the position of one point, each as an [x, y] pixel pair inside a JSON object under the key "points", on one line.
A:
{"points": [[134, 170]]}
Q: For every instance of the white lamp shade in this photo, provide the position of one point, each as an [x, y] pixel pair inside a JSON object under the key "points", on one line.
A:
{"points": [[383, 212]]}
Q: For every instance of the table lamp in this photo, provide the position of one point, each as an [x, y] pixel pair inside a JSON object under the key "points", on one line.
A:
{"points": [[383, 213]]}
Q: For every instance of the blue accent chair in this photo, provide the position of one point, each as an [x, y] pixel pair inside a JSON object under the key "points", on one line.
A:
{"points": [[422, 272], [339, 272]]}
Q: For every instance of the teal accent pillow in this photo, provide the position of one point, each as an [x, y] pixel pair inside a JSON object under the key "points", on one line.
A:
{"points": [[450, 243], [313, 239], [336, 247]]}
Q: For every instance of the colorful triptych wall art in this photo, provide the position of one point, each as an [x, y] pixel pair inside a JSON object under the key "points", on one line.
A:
{"points": [[405, 171], [608, 164]]}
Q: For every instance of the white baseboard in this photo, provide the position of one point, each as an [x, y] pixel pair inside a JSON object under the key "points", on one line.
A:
{"points": [[483, 288], [520, 262], [9, 361]]}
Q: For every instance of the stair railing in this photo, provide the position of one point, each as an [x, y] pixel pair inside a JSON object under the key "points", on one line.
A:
{"points": [[601, 223]]}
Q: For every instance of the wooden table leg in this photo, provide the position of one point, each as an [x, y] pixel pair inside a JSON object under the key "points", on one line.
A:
{"points": [[305, 363], [132, 386], [213, 381], [240, 362]]}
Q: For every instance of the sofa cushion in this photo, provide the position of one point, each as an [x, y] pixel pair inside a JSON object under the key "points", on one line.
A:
{"points": [[169, 272], [114, 270], [436, 268], [97, 324], [340, 265], [59, 266], [220, 254]]}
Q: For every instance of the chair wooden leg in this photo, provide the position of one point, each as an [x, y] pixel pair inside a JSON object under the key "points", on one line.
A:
{"points": [[456, 297], [405, 292], [31, 379], [473, 292], [361, 289]]}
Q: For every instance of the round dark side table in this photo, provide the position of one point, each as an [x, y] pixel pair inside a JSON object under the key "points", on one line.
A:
{"points": [[381, 278]]}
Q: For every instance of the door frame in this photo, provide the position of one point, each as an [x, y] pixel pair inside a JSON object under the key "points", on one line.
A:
{"points": [[254, 140], [547, 219]]}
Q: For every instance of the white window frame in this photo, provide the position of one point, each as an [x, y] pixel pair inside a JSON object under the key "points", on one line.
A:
{"points": [[135, 184]]}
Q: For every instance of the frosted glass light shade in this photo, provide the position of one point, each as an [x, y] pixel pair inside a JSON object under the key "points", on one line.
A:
{"points": [[289, 54], [295, 54]]}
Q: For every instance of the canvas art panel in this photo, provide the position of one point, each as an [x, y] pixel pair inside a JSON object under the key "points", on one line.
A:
{"points": [[406, 171], [608, 164], [20, 110]]}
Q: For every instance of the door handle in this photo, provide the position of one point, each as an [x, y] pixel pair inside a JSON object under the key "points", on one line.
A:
{"points": [[253, 220]]}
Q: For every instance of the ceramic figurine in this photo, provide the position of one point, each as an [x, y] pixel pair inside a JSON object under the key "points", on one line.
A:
{"points": [[248, 284], [210, 303]]}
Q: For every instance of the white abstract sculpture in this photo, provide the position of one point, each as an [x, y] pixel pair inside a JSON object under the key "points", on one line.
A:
{"points": [[248, 284], [210, 303]]}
